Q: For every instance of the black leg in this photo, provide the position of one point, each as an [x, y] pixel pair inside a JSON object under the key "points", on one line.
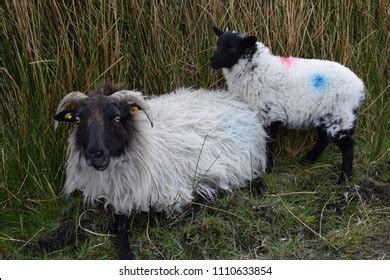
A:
{"points": [[121, 222], [346, 145], [322, 142], [272, 131], [259, 188]]}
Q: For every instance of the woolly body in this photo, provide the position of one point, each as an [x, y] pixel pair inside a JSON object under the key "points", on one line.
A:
{"points": [[297, 92], [202, 141]]}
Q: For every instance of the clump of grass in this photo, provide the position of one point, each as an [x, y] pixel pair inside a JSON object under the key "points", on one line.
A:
{"points": [[156, 46]]}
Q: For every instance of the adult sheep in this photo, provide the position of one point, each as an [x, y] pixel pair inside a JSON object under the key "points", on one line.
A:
{"points": [[196, 142], [294, 92]]}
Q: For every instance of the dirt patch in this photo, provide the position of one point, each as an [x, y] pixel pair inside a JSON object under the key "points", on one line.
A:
{"points": [[377, 244], [371, 189], [64, 235], [73, 230], [366, 191]]}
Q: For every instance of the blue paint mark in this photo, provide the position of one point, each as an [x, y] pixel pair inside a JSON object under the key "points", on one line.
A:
{"points": [[318, 81]]}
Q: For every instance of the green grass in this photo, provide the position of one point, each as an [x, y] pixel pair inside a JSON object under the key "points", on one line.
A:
{"points": [[49, 48]]}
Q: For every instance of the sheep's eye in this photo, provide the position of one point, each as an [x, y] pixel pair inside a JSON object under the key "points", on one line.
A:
{"points": [[117, 119], [77, 119], [134, 109]]}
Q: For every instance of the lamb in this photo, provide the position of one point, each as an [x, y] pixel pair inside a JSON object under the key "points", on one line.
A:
{"points": [[294, 92], [196, 143]]}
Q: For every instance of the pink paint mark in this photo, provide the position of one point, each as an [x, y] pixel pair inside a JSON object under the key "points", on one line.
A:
{"points": [[287, 61]]}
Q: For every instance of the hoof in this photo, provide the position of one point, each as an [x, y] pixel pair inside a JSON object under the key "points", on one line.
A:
{"points": [[341, 181], [126, 255], [259, 188], [269, 167], [343, 178]]}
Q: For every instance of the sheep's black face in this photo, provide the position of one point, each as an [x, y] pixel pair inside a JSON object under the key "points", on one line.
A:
{"points": [[230, 48], [103, 131]]}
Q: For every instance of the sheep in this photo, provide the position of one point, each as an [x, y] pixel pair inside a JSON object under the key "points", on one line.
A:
{"points": [[196, 143], [294, 92]]}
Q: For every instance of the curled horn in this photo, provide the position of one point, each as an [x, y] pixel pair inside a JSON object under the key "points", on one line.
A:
{"points": [[70, 98], [128, 96]]}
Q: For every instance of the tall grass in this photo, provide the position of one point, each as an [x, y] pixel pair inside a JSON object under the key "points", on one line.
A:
{"points": [[49, 48]]}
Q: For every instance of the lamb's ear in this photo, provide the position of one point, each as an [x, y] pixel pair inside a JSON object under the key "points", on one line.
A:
{"points": [[249, 41], [66, 116], [217, 31]]}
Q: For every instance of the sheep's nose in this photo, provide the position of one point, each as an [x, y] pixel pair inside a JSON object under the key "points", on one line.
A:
{"points": [[97, 158], [95, 153]]}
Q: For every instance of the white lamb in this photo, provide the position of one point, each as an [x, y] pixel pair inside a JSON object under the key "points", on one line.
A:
{"points": [[294, 92], [199, 142]]}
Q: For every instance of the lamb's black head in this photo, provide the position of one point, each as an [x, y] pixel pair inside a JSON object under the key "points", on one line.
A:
{"points": [[104, 122], [231, 46]]}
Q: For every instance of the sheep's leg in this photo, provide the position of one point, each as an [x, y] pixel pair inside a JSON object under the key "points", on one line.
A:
{"points": [[346, 145], [122, 225], [272, 131], [322, 142], [259, 188]]}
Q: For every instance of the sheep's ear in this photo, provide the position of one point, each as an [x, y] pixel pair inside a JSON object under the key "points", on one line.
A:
{"points": [[133, 108], [249, 41], [66, 116], [217, 31]]}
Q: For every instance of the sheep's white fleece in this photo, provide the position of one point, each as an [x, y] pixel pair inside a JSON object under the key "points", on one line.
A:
{"points": [[201, 141], [298, 92]]}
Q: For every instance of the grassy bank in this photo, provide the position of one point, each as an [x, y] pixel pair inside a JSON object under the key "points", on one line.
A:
{"points": [[49, 48]]}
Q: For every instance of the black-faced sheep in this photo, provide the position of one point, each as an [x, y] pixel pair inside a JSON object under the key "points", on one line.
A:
{"points": [[200, 142]]}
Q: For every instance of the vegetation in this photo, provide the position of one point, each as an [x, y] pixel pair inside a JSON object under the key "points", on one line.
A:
{"points": [[49, 48]]}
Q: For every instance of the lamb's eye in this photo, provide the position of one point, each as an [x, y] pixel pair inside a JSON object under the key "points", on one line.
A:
{"points": [[117, 119], [233, 49]]}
